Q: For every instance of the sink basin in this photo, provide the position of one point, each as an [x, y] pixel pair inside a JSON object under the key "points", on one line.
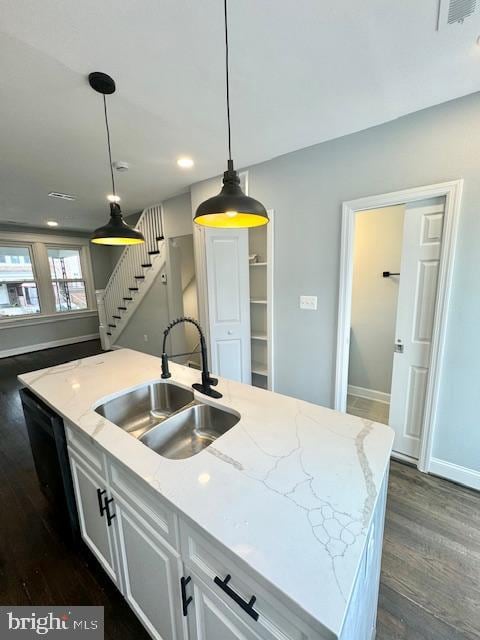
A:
{"points": [[189, 431], [140, 410]]}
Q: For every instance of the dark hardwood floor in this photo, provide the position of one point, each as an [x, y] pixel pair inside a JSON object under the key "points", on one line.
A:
{"points": [[37, 564], [430, 584]]}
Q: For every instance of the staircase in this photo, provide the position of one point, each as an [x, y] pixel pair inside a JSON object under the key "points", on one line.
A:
{"points": [[133, 275]]}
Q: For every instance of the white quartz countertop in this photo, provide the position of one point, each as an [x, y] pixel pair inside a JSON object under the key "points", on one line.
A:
{"points": [[290, 489]]}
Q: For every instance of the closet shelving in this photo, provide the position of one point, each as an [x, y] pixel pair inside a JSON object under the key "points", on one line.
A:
{"points": [[260, 242]]}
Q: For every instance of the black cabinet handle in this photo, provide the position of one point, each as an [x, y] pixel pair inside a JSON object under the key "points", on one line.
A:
{"points": [[185, 601], [102, 508], [246, 606], [110, 516]]}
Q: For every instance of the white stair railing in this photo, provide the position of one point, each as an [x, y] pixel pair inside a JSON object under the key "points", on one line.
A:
{"points": [[129, 273]]}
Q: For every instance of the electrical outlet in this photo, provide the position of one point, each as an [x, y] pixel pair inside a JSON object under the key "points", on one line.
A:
{"points": [[308, 302], [145, 337]]}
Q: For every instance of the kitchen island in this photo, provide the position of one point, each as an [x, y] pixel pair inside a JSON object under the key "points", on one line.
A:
{"points": [[289, 502]]}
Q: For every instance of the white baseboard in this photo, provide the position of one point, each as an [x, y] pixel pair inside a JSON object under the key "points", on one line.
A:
{"points": [[462, 475], [369, 394], [6, 353], [404, 458]]}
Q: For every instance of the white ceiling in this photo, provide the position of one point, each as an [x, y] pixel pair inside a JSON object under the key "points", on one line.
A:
{"points": [[303, 71]]}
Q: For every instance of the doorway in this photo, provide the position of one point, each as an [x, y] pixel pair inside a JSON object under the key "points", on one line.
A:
{"points": [[377, 251], [396, 268]]}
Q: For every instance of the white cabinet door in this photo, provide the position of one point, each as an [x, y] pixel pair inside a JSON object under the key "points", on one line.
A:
{"points": [[228, 287], [151, 575], [94, 527], [209, 618], [422, 237]]}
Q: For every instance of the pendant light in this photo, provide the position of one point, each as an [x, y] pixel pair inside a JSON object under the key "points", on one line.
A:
{"points": [[116, 231], [231, 208]]}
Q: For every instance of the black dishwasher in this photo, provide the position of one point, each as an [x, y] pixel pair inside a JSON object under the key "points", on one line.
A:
{"points": [[49, 448]]}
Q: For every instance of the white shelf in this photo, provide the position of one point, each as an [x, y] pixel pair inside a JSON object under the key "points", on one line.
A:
{"points": [[259, 336], [259, 369], [258, 264], [257, 301]]}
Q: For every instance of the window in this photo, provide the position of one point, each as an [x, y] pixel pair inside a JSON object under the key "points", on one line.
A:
{"points": [[67, 278], [18, 286], [43, 276]]}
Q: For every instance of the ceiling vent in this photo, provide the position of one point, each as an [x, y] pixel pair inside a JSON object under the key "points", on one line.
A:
{"points": [[455, 11], [61, 196]]}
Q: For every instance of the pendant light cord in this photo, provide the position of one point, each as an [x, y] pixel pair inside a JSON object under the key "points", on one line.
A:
{"points": [[227, 81], [108, 144]]}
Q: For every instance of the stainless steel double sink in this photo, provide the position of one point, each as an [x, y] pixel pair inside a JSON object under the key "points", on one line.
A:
{"points": [[168, 420]]}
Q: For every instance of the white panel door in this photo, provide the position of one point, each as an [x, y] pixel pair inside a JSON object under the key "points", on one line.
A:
{"points": [[229, 302], [422, 238], [151, 575]]}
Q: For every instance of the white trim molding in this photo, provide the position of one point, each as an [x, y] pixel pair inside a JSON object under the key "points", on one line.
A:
{"points": [[33, 320], [452, 192], [402, 457], [7, 353], [462, 475], [369, 394], [270, 298]]}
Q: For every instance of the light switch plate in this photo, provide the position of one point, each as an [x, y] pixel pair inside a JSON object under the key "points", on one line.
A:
{"points": [[308, 302]]}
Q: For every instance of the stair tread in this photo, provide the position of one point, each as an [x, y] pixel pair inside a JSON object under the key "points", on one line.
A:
{"points": [[122, 308], [160, 238], [117, 318], [153, 253], [128, 298], [148, 264], [133, 288], [112, 325], [109, 333], [140, 277]]}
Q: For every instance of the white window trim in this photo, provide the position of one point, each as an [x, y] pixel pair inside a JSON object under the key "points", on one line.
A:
{"points": [[38, 245]]}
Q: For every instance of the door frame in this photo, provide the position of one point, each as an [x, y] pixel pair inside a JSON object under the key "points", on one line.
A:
{"points": [[452, 191]]}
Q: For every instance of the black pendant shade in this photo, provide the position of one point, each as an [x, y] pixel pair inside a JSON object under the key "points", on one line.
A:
{"points": [[116, 232], [231, 208]]}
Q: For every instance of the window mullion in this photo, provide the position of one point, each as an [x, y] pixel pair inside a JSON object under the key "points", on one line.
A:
{"points": [[44, 282]]}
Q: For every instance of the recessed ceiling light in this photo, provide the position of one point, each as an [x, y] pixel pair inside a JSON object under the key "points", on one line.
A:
{"points": [[112, 198], [52, 223], [185, 163], [62, 196]]}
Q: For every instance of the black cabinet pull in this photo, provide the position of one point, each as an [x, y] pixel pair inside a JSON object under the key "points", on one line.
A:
{"points": [[110, 516], [185, 601], [246, 606], [102, 508]]}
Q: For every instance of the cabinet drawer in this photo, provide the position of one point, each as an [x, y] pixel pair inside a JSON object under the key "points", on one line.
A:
{"points": [[89, 452], [203, 559], [147, 503]]}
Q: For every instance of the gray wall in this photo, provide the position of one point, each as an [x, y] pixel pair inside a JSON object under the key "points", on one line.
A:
{"points": [[31, 335], [150, 319], [104, 259], [377, 248], [177, 216], [307, 188]]}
